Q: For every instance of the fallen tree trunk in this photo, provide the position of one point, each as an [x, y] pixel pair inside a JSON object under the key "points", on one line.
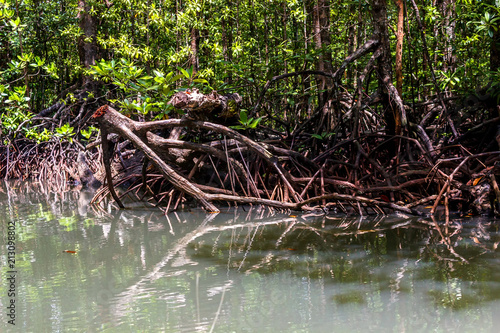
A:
{"points": [[112, 121]]}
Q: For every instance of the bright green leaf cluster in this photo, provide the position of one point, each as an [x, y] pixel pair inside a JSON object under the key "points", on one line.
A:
{"points": [[65, 132], [144, 94], [246, 123]]}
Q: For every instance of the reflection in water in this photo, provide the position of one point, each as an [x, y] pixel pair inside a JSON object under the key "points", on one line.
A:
{"points": [[245, 271]]}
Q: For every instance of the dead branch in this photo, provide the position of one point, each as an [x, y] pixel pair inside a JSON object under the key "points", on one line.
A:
{"points": [[111, 120]]}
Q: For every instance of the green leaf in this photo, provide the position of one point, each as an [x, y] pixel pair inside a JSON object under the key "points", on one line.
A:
{"points": [[243, 117], [143, 83], [155, 87], [238, 127], [184, 72], [166, 90], [177, 77], [255, 123], [158, 73], [15, 23]]}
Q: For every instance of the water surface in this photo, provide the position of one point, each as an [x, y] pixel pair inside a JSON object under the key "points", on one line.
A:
{"points": [[245, 270]]}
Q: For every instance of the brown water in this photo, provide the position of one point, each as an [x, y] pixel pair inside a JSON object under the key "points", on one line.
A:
{"points": [[136, 270]]}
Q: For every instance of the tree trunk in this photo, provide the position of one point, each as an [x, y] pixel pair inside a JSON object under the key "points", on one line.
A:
{"points": [[321, 19], [399, 48], [195, 37], [87, 43], [449, 59], [227, 45], [352, 72], [495, 52], [285, 36], [394, 112], [495, 47]]}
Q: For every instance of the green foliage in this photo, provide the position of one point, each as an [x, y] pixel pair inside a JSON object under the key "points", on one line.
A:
{"points": [[26, 72], [65, 132], [13, 119], [15, 108], [39, 137], [494, 88], [144, 52], [17, 98], [449, 79], [87, 133], [323, 136], [246, 123], [488, 23], [141, 93]]}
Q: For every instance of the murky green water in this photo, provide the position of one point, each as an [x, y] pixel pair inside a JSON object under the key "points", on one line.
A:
{"points": [[246, 271]]}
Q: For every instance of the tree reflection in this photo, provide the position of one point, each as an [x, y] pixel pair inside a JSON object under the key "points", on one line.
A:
{"points": [[171, 272]]}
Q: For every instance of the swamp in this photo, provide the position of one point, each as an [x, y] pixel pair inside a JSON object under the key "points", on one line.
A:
{"points": [[244, 270], [249, 166]]}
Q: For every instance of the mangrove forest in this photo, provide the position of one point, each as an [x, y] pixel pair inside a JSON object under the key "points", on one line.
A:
{"points": [[359, 107]]}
